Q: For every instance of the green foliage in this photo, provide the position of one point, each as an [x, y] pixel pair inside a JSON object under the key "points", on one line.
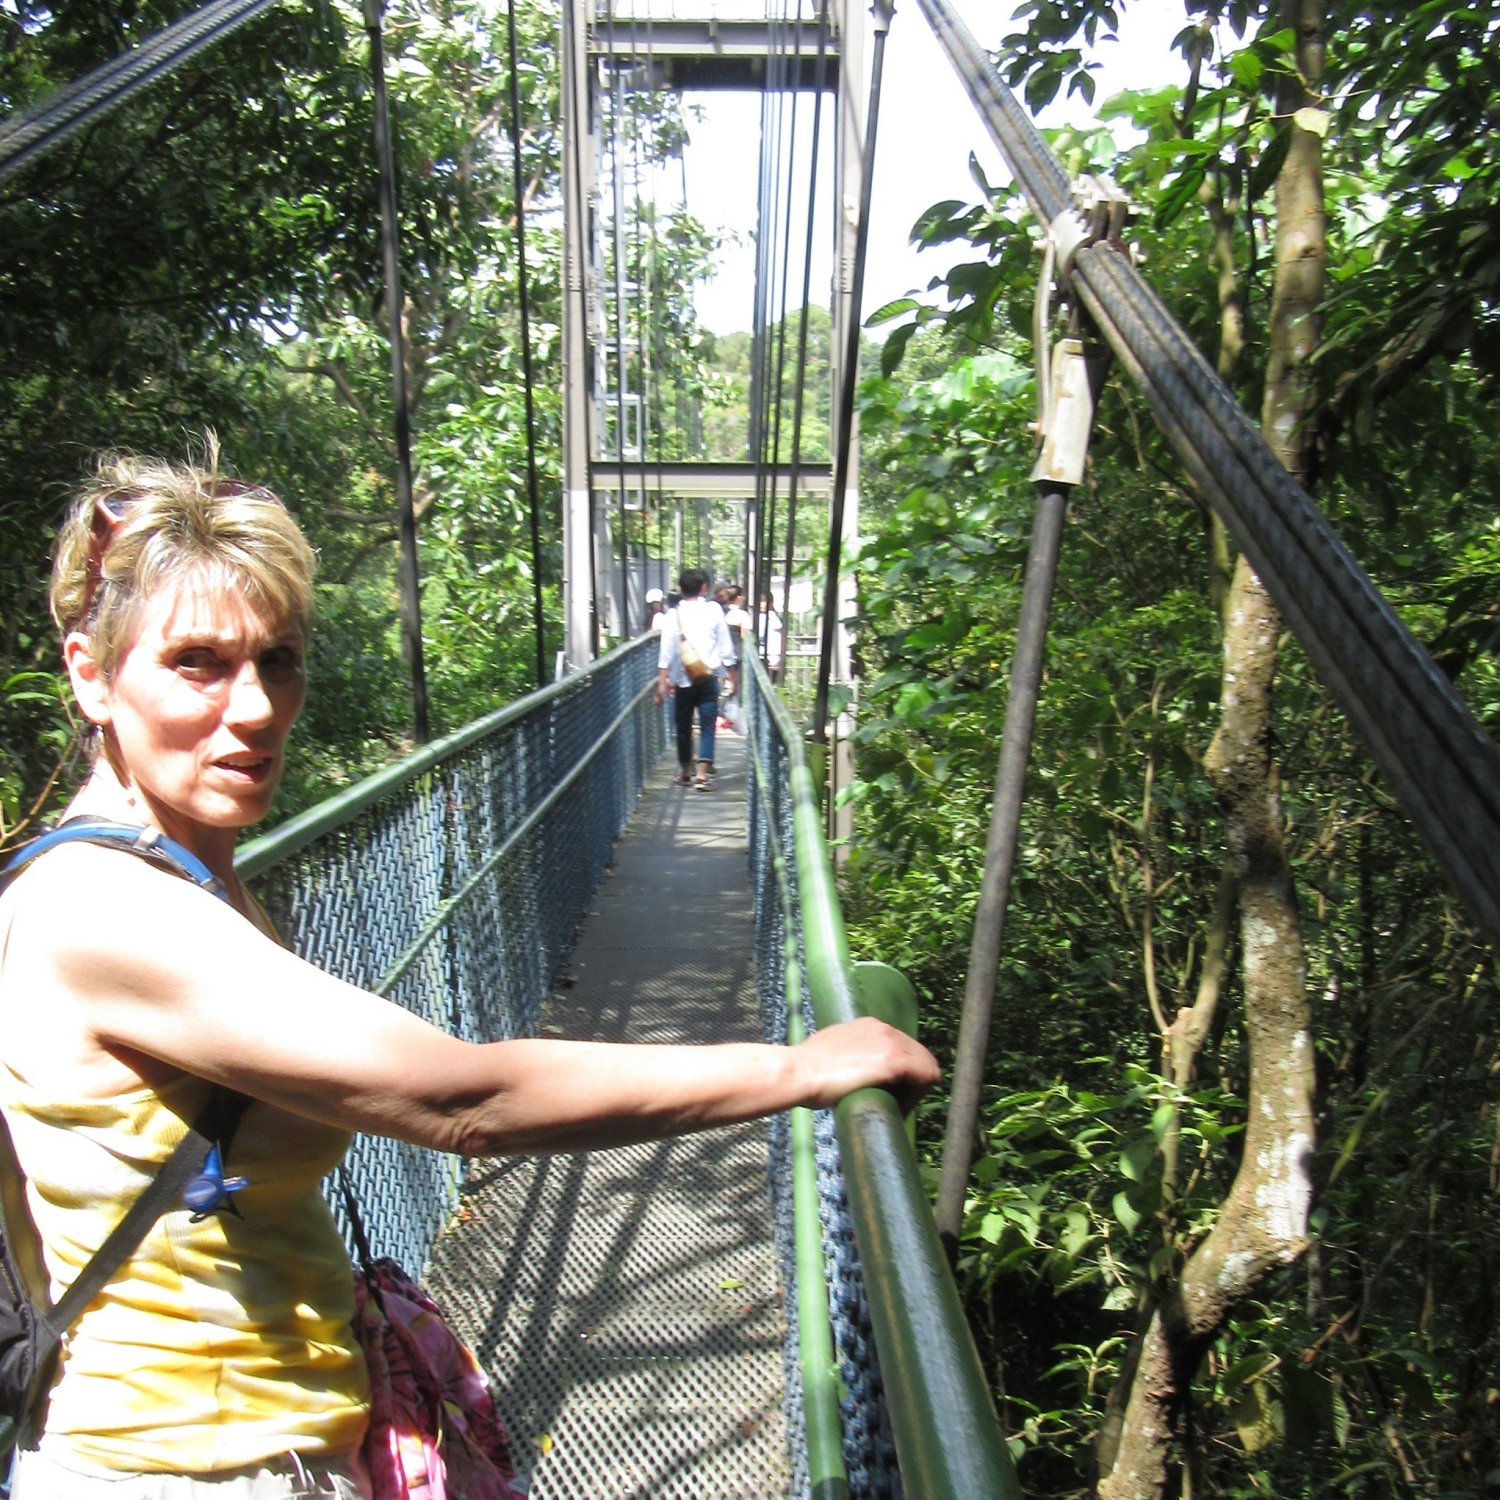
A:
{"points": [[210, 258], [1367, 1369]]}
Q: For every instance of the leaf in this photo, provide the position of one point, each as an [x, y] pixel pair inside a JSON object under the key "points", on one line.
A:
{"points": [[1247, 69], [895, 347], [1180, 193], [1314, 121], [731, 1284], [891, 311], [1340, 1413], [980, 180], [1126, 1213], [1137, 1158], [1254, 1418], [1264, 172]]}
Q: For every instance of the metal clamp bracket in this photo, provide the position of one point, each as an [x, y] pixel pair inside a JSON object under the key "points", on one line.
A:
{"points": [[1076, 372], [1100, 211]]}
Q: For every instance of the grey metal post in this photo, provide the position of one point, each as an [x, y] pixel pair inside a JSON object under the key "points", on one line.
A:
{"points": [[578, 523], [1067, 419]]}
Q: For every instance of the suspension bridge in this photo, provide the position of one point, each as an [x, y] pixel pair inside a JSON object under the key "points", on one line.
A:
{"points": [[766, 1311]]}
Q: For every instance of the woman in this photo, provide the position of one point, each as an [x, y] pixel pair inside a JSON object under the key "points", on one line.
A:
{"points": [[220, 1359]]}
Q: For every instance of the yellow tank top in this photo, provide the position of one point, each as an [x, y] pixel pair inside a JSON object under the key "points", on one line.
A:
{"points": [[218, 1344]]}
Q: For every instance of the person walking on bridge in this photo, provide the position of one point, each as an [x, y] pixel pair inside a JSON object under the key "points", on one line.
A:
{"points": [[695, 649]]}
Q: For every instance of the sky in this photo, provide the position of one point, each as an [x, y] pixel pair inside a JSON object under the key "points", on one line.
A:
{"points": [[927, 129]]}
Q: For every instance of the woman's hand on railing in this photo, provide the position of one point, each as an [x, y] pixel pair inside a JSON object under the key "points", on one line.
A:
{"points": [[866, 1054]]}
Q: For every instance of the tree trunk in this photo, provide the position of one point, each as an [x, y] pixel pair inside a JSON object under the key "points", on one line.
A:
{"points": [[1263, 1222]]}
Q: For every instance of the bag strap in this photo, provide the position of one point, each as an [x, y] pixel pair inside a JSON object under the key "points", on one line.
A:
{"points": [[216, 1122], [146, 842], [356, 1221]]}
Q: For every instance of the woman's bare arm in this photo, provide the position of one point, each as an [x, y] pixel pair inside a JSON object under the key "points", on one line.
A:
{"points": [[156, 967]]}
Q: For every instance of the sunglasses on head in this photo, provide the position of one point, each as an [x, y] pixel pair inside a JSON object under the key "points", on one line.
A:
{"points": [[109, 515]]}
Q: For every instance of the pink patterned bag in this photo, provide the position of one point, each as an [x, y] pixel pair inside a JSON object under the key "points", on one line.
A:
{"points": [[434, 1432]]}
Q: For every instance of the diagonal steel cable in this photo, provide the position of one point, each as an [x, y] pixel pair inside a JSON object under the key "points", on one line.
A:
{"points": [[1436, 759], [48, 124]]}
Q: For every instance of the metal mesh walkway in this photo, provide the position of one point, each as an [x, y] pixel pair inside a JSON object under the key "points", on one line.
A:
{"points": [[627, 1303]]}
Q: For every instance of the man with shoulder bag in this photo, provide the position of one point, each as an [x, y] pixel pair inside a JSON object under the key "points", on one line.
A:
{"points": [[695, 648]]}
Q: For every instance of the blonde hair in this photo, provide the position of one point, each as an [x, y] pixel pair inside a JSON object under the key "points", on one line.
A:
{"points": [[176, 521]]}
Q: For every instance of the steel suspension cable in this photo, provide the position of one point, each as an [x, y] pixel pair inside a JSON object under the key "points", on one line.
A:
{"points": [[819, 80], [766, 287], [55, 118], [776, 394], [645, 286], [631, 244], [694, 435], [881, 11], [578, 106], [651, 332], [638, 162], [1437, 760], [534, 505], [617, 193], [757, 338]]}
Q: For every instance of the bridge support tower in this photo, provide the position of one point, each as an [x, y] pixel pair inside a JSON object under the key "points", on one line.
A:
{"points": [[598, 43]]}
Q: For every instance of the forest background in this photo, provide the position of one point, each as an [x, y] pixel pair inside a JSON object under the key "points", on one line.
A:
{"points": [[1319, 209]]}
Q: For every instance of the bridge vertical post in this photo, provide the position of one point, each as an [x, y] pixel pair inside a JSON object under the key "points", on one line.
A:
{"points": [[848, 194], [579, 638]]}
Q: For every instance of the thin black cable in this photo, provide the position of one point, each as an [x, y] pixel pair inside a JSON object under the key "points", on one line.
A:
{"points": [[767, 224], [616, 109], [653, 321], [781, 340], [639, 158], [1002, 839], [526, 366], [775, 320], [695, 434], [757, 342], [882, 13]]}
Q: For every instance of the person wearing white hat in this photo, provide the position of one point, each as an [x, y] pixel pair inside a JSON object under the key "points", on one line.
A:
{"points": [[655, 609]]}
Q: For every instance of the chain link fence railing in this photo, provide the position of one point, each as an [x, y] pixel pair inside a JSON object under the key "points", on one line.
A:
{"points": [[454, 882]]}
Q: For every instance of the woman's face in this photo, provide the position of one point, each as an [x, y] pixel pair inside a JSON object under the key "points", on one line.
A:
{"points": [[199, 709]]}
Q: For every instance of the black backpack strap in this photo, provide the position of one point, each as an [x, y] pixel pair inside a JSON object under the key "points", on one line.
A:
{"points": [[219, 1118]]}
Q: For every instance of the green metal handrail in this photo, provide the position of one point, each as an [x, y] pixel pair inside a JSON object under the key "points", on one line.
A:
{"points": [[948, 1437]]}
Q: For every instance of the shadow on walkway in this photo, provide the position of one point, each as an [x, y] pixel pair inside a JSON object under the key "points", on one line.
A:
{"points": [[627, 1303]]}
